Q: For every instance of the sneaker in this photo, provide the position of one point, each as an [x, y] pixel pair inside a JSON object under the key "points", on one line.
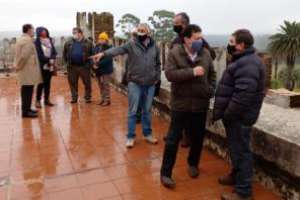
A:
{"points": [[235, 196], [38, 104], [226, 180], [193, 171], [130, 143], [167, 182], [151, 139]]}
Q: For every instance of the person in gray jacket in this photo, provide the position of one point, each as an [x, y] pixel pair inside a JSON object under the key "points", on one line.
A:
{"points": [[144, 69]]}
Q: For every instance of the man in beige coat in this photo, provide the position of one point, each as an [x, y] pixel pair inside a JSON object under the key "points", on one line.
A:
{"points": [[28, 70]]}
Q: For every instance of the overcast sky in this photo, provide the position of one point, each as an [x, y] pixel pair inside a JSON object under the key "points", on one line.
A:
{"points": [[214, 16]]}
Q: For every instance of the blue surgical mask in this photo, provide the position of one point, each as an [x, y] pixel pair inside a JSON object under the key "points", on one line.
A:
{"points": [[197, 45]]}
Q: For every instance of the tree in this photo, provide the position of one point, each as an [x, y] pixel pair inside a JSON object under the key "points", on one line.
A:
{"points": [[162, 22], [127, 23], [286, 45]]}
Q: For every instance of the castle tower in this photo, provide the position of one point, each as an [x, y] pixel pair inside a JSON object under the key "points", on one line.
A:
{"points": [[92, 23]]}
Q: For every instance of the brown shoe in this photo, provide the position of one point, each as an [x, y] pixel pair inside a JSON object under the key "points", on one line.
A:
{"points": [[100, 103], [226, 180], [235, 196], [105, 103]]}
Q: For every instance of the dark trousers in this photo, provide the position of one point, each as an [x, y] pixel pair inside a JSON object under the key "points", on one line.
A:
{"points": [[74, 72], [26, 97], [45, 86], [239, 137], [194, 124]]}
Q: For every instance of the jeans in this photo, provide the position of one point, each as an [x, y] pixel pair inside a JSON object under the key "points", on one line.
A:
{"points": [[26, 98], [239, 137], [194, 124], [139, 95], [45, 86]]}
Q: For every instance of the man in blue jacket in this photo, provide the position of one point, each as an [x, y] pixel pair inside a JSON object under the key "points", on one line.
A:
{"points": [[239, 98]]}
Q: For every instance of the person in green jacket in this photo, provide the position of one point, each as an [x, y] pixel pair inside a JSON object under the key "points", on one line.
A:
{"points": [[103, 69]]}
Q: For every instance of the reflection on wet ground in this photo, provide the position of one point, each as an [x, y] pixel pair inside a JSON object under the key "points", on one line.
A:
{"points": [[77, 152]]}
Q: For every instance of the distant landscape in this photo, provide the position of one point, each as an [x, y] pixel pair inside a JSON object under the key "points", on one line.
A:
{"points": [[214, 40]]}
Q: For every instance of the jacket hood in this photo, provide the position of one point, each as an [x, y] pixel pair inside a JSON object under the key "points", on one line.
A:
{"points": [[39, 31]]}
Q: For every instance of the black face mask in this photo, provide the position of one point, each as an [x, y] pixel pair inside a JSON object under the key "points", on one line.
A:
{"points": [[177, 29], [104, 46], [231, 49], [142, 38]]}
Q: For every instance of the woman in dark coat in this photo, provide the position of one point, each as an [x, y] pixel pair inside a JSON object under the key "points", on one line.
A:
{"points": [[46, 55]]}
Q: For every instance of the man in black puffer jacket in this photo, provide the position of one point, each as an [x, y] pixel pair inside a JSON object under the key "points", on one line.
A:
{"points": [[238, 102]]}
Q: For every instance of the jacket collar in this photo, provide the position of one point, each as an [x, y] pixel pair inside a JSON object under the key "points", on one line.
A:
{"points": [[139, 44], [185, 54], [248, 51]]}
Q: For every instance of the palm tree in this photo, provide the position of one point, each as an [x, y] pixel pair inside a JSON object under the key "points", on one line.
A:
{"points": [[286, 45]]}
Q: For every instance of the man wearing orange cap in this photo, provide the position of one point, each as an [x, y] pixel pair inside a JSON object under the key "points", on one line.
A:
{"points": [[103, 69]]}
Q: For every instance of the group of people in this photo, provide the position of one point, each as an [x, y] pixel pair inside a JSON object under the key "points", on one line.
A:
{"points": [[35, 65], [189, 68]]}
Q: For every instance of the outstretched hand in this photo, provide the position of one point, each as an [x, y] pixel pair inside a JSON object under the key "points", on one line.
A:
{"points": [[96, 57]]}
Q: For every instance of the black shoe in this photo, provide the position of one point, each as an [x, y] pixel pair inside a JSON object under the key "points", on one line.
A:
{"points": [[33, 111], [48, 103], [73, 101], [38, 104], [88, 101], [29, 115], [193, 172], [167, 182], [226, 180]]}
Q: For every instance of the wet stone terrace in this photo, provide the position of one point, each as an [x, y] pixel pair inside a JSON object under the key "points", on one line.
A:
{"points": [[77, 152]]}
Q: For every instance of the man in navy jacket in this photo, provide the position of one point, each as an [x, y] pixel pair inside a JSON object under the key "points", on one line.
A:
{"points": [[238, 102]]}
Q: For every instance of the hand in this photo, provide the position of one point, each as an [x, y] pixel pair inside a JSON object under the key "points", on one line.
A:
{"points": [[97, 57], [95, 66], [199, 71], [211, 120]]}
